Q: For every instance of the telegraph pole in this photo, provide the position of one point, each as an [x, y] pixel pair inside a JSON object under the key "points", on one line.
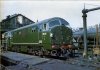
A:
{"points": [[85, 11]]}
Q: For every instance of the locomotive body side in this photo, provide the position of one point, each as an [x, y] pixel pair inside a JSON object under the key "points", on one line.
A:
{"points": [[41, 36], [33, 37]]}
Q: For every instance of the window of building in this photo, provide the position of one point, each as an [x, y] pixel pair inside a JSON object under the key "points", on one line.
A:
{"points": [[20, 19]]}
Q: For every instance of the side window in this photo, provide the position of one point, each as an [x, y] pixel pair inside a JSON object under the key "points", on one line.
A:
{"points": [[34, 29], [44, 27], [54, 23]]}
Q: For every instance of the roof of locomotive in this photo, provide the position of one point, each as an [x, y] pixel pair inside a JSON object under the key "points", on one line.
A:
{"points": [[40, 22]]}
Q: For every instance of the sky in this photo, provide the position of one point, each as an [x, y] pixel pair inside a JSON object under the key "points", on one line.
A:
{"points": [[71, 11]]}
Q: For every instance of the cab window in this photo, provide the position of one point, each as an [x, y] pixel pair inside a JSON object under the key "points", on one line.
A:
{"points": [[63, 22], [54, 23], [45, 26]]}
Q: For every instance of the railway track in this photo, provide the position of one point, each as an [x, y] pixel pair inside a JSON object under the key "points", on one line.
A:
{"points": [[50, 57], [64, 57], [54, 56]]}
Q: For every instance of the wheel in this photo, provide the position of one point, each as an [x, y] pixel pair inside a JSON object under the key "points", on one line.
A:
{"points": [[53, 52]]}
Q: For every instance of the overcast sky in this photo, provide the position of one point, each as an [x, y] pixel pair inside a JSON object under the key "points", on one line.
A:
{"points": [[69, 10]]}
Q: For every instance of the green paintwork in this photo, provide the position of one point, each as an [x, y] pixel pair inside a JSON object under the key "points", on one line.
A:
{"points": [[46, 40], [62, 35], [35, 38], [25, 36], [28, 36]]}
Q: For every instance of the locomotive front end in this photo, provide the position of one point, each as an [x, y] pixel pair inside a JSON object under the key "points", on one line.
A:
{"points": [[61, 36]]}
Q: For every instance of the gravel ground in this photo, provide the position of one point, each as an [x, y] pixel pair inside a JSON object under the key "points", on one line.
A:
{"points": [[61, 65], [54, 64], [78, 63]]}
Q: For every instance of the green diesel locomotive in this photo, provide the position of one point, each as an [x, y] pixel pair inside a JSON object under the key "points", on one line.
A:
{"points": [[41, 38]]}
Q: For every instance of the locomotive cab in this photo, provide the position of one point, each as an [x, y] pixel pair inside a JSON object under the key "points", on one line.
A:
{"points": [[61, 33]]}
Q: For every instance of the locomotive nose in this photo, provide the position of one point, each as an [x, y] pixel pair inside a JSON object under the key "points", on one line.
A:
{"points": [[61, 35]]}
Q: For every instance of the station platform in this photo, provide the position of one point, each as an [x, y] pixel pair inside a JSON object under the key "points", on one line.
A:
{"points": [[17, 58]]}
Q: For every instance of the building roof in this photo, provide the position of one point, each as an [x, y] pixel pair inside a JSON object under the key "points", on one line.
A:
{"points": [[10, 17], [13, 16]]}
